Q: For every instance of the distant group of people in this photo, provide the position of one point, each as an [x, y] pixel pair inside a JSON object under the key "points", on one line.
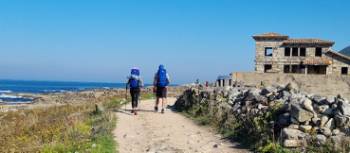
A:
{"points": [[160, 83]]}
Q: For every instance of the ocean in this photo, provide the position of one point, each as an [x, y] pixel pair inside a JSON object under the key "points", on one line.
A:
{"points": [[9, 88]]}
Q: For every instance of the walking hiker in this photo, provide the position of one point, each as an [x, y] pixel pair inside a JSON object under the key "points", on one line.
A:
{"points": [[135, 83], [160, 83]]}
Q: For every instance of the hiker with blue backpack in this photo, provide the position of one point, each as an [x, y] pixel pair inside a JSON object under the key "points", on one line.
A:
{"points": [[160, 83], [135, 84]]}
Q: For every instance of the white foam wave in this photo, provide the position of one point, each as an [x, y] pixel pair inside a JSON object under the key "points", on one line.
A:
{"points": [[9, 96], [5, 91]]}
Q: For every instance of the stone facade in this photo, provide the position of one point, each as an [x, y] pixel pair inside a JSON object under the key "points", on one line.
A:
{"points": [[223, 81], [276, 53]]}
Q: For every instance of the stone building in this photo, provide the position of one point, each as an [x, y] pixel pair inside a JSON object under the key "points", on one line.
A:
{"points": [[223, 81], [276, 53]]}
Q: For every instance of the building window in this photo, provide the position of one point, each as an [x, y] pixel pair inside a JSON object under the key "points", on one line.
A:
{"points": [[302, 51], [287, 51], [295, 51], [318, 52], [286, 68], [295, 68], [267, 68], [344, 70], [268, 51]]}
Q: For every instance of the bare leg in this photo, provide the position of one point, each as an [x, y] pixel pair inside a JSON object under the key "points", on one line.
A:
{"points": [[157, 103]]}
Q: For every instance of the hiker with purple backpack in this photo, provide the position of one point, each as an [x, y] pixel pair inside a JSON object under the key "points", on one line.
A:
{"points": [[135, 84], [160, 83]]}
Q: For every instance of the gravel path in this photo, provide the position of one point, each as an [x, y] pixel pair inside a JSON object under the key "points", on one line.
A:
{"points": [[151, 132]]}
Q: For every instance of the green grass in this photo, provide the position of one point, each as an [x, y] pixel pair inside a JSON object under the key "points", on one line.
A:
{"points": [[60, 129]]}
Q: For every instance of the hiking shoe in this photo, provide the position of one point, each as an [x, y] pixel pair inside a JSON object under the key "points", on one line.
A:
{"points": [[162, 110], [132, 111], [135, 113], [156, 109]]}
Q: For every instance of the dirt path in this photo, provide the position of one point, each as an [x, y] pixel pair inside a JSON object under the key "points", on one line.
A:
{"points": [[151, 132]]}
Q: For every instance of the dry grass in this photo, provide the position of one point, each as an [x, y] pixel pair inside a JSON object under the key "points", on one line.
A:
{"points": [[67, 128]]}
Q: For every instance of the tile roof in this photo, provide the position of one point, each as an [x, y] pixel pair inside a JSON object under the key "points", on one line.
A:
{"points": [[317, 61], [308, 41], [270, 35], [338, 54]]}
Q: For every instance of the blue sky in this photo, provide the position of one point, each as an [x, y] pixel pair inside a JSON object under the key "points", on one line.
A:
{"points": [[90, 40]]}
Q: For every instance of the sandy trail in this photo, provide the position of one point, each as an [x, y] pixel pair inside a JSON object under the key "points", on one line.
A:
{"points": [[151, 132]]}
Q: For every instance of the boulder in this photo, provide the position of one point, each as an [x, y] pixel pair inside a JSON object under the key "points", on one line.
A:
{"points": [[319, 99], [330, 124], [289, 133], [252, 94], [324, 109], [342, 121], [324, 120], [305, 128], [307, 104], [344, 108], [326, 131], [300, 114], [291, 143], [267, 91], [335, 132], [316, 121], [293, 126], [321, 138], [292, 87]]}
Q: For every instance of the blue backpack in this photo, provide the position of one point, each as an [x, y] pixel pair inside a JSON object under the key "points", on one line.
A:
{"points": [[134, 80], [162, 77]]}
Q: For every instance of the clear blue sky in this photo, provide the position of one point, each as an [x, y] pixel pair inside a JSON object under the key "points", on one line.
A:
{"points": [[90, 40]]}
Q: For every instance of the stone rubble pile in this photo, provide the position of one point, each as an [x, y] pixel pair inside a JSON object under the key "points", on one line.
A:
{"points": [[300, 117]]}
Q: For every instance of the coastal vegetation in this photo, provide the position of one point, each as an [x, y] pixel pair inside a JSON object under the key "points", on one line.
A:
{"points": [[84, 127]]}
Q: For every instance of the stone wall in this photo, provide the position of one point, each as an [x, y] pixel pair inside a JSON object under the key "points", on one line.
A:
{"points": [[323, 85], [274, 113]]}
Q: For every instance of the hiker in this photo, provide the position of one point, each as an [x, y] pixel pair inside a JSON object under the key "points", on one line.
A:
{"points": [[160, 83], [135, 83]]}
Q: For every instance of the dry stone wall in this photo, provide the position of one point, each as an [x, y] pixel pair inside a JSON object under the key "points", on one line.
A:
{"points": [[296, 118]]}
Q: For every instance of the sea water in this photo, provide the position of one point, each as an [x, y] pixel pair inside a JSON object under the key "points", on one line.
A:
{"points": [[10, 88]]}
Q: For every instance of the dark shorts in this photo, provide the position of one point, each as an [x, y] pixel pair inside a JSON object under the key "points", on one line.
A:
{"points": [[161, 92]]}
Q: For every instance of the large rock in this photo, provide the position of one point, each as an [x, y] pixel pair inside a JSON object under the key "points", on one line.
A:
{"points": [[326, 131], [291, 143], [292, 87], [324, 120], [321, 138], [295, 134], [344, 108], [330, 124], [342, 121], [307, 104], [300, 114], [305, 128], [252, 94], [319, 99]]}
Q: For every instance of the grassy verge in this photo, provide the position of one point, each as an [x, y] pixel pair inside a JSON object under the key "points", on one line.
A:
{"points": [[68, 128]]}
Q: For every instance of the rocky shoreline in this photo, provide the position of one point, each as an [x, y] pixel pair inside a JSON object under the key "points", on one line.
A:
{"points": [[61, 98], [292, 118]]}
